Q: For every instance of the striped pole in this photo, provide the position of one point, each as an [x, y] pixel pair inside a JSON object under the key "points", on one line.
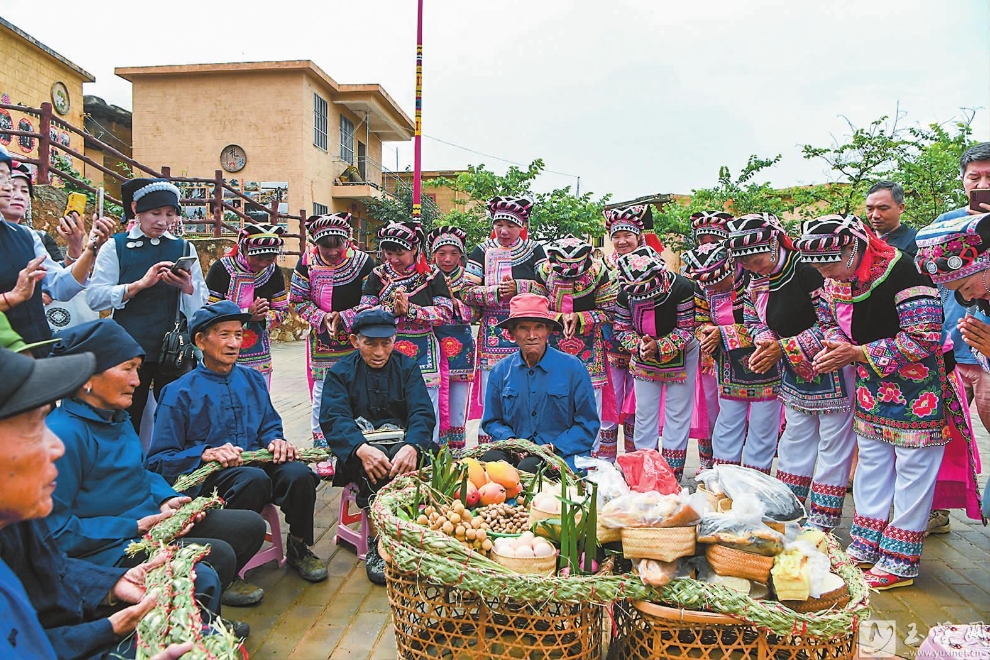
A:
{"points": [[417, 209]]}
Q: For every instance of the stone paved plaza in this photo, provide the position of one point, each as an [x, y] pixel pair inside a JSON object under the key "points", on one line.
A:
{"points": [[348, 617]]}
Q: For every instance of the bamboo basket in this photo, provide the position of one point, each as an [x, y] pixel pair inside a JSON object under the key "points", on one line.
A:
{"points": [[764, 630], [662, 543], [526, 565], [738, 563], [837, 598]]}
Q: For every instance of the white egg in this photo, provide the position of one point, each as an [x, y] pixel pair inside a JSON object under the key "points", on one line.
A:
{"points": [[525, 552], [527, 538], [542, 550]]}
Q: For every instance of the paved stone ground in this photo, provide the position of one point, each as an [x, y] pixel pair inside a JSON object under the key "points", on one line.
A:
{"points": [[348, 617]]}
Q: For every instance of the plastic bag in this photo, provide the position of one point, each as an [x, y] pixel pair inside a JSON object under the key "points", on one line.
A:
{"points": [[652, 510], [610, 482], [656, 573], [741, 528], [646, 471], [779, 503]]}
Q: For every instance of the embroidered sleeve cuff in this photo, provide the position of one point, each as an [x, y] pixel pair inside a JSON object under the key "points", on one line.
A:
{"points": [[795, 355]]}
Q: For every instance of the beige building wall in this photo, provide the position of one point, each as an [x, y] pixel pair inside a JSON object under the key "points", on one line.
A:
{"points": [[26, 77]]}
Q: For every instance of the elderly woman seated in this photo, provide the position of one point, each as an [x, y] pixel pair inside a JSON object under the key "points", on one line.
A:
{"points": [[104, 497]]}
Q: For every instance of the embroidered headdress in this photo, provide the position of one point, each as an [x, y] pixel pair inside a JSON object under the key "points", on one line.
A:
{"points": [[569, 257], [447, 235], [406, 235], [644, 274], [714, 223], [637, 219], [336, 224], [258, 239], [756, 232], [953, 249], [708, 263], [513, 209]]}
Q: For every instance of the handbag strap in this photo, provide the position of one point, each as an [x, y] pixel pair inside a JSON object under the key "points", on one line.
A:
{"points": [[178, 292]]}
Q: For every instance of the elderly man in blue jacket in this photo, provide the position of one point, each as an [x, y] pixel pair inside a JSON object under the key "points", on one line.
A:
{"points": [[539, 394]]}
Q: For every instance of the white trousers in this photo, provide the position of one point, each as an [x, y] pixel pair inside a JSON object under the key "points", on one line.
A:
{"points": [[598, 437], [904, 477], [320, 441], [752, 444], [678, 408]]}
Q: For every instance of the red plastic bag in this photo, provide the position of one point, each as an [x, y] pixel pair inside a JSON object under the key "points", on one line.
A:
{"points": [[646, 470]]}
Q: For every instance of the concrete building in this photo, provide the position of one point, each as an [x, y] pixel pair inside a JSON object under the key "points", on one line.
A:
{"points": [[280, 130], [32, 74], [447, 199]]}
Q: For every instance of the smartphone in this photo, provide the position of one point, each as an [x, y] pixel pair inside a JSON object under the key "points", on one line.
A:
{"points": [[184, 263], [979, 196], [77, 203]]}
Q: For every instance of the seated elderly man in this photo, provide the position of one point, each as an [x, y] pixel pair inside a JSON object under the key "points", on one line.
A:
{"points": [[539, 394], [383, 387], [52, 606], [221, 409]]}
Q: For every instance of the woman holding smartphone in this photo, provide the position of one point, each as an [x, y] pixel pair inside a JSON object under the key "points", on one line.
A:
{"points": [[26, 267], [143, 277]]}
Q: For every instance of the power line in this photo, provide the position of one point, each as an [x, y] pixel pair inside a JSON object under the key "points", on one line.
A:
{"points": [[504, 160]]}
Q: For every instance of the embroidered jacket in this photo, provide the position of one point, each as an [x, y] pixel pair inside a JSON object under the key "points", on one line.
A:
{"points": [[456, 341], [668, 318], [902, 391], [731, 360], [783, 308], [318, 288], [585, 296], [230, 279], [487, 266], [430, 306], [617, 355]]}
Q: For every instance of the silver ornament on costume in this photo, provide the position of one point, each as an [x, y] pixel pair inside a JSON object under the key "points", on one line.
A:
{"points": [[931, 267], [155, 241], [954, 262]]}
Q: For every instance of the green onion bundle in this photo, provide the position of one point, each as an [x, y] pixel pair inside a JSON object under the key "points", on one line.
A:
{"points": [[199, 475], [168, 530], [175, 618]]}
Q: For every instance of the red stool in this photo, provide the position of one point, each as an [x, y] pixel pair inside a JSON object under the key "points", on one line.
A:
{"points": [[358, 539], [274, 552]]}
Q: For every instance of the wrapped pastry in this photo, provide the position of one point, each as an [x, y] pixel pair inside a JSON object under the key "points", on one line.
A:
{"points": [[655, 573], [651, 510], [779, 503], [748, 536]]}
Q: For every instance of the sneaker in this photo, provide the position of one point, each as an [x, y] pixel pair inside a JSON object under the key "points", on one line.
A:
{"points": [[938, 522], [374, 565], [240, 629], [301, 558], [242, 594]]}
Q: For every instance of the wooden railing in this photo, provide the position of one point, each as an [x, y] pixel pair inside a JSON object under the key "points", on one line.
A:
{"points": [[217, 202]]}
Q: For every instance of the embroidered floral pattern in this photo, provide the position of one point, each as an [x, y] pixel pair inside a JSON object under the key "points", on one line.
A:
{"points": [[249, 338], [925, 404], [407, 348], [865, 399], [914, 371], [450, 347], [890, 393]]}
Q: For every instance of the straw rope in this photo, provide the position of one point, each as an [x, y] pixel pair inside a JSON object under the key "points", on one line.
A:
{"points": [[442, 559]]}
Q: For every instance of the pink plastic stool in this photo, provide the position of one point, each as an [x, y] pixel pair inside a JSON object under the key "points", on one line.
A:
{"points": [[275, 551], [358, 539]]}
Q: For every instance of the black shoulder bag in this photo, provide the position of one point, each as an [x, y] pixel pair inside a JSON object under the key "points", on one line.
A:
{"points": [[178, 355]]}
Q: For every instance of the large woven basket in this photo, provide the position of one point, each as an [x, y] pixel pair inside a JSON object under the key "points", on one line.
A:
{"points": [[436, 620], [837, 598], [528, 565], [662, 543], [646, 631], [737, 563]]}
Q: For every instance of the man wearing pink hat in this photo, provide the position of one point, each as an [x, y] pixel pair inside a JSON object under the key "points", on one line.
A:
{"points": [[539, 393]]}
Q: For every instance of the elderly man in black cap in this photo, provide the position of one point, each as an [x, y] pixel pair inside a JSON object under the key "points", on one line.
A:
{"points": [[381, 387], [222, 409]]}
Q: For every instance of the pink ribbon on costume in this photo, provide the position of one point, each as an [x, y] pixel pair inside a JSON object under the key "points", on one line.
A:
{"points": [[444, 394]]}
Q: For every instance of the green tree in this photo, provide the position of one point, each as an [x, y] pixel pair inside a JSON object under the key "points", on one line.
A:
{"points": [[929, 169], [737, 195], [398, 208], [555, 213]]}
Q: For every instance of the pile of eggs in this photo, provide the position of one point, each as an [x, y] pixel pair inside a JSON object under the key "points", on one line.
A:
{"points": [[524, 546]]}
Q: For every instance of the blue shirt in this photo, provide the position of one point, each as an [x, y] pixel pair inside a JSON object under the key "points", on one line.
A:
{"points": [[954, 311], [21, 635], [203, 410], [102, 488], [902, 238], [550, 403]]}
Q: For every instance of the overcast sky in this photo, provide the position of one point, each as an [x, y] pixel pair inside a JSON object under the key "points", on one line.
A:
{"points": [[634, 96]]}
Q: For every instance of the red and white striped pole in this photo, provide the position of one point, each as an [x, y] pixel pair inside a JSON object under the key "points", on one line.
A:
{"points": [[417, 206]]}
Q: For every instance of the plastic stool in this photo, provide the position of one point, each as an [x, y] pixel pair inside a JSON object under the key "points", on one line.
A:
{"points": [[358, 539], [275, 551]]}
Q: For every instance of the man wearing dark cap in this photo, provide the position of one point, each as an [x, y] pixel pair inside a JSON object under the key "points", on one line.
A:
{"points": [[221, 409], [382, 387]]}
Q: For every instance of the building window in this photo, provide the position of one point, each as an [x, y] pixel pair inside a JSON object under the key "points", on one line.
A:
{"points": [[320, 122], [346, 140], [320, 209]]}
